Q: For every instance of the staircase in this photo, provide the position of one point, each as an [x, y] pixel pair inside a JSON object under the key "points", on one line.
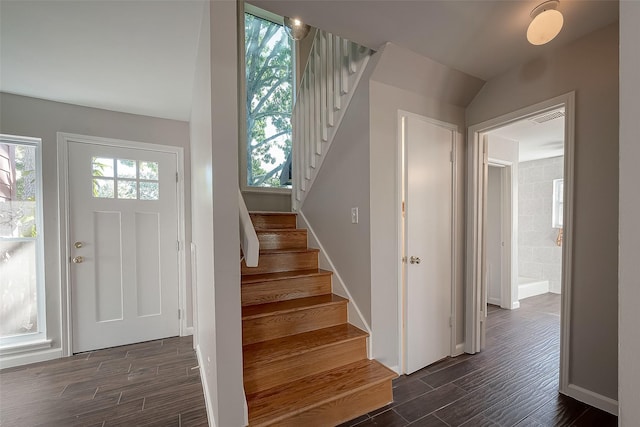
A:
{"points": [[303, 363]]}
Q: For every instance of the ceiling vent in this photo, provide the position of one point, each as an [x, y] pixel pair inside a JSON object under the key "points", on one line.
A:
{"points": [[546, 117]]}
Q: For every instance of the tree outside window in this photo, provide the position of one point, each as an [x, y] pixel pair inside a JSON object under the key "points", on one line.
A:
{"points": [[269, 102]]}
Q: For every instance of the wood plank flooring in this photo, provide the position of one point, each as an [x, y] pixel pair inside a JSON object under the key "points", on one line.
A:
{"points": [[151, 383], [514, 382]]}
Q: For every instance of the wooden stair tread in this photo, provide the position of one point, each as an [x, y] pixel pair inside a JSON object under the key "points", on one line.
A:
{"points": [[268, 277], [278, 403], [287, 251], [272, 213], [279, 307], [294, 345]]}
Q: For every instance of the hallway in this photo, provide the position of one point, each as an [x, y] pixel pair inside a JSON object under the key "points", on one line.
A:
{"points": [[513, 382]]}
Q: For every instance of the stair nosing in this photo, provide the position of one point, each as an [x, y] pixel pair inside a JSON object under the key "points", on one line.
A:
{"points": [[341, 300], [332, 398], [295, 275], [281, 251], [361, 335], [281, 230]]}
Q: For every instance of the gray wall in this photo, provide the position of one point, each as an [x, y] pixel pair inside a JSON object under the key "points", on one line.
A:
{"points": [[39, 118], [539, 255], [216, 239], [629, 374], [407, 81], [341, 184], [265, 201], [590, 67]]}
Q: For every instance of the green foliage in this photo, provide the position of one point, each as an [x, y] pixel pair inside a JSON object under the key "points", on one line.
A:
{"points": [[269, 83]]}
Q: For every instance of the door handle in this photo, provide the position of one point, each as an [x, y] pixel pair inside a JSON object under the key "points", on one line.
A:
{"points": [[77, 260], [414, 260]]}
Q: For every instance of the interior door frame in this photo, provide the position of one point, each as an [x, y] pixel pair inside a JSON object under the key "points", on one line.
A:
{"points": [[400, 229], [63, 140], [509, 273], [475, 223]]}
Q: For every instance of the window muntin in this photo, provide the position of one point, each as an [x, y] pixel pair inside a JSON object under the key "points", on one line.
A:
{"points": [[22, 293], [269, 102], [128, 180]]}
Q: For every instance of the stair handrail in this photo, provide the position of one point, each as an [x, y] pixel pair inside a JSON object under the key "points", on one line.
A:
{"points": [[248, 237]]}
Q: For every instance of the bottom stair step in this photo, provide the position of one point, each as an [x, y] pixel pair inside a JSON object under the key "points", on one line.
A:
{"points": [[325, 399]]}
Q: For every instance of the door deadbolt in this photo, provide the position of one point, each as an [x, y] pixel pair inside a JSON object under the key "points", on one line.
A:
{"points": [[414, 260], [78, 245]]}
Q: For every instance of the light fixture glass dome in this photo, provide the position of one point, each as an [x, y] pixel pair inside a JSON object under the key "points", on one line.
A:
{"points": [[546, 24], [295, 28]]}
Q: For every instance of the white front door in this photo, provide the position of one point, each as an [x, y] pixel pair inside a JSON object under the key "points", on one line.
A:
{"points": [[428, 236], [123, 229]]}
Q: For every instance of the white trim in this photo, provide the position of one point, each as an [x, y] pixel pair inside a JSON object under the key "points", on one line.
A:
{"points": [[244, 7], [509, 274], [358, 320], [400, 180], [25, 347], [396, 369], [593, 399], [475, 221], [208, 403], [24, 359], [63, 139], [459, 350]]}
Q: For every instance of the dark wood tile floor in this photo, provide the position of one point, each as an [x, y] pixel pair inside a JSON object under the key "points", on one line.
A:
{"points": [[513, 382], [151, 383]]}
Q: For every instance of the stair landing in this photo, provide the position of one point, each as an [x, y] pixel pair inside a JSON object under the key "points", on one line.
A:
{"points": [[303, 363]]}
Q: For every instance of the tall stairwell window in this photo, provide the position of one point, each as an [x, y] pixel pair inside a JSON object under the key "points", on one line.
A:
{"points": [[269, 63]]}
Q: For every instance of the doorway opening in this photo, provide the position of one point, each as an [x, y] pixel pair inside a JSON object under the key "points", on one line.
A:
{"points": [[519, 218]]}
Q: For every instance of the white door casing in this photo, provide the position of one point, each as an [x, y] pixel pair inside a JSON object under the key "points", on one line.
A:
{"points": [[428, 238], [476, 196], [125, 286]]}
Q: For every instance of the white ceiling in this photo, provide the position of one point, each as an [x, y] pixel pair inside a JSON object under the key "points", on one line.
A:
{"points": [[138, 56], [536, 140], [479, 37], [132, 56]]}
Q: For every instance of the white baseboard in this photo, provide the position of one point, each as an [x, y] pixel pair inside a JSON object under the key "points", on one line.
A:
{"points": [[395, 369], [27, 358], [459, 350], [188, 331], [532, 289], [591, 398], [515, 305], [205, 388], [338, 286], [494, 301]]}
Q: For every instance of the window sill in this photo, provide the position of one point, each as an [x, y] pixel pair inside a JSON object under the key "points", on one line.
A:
{"points": [[25, 347], [266, 190]]}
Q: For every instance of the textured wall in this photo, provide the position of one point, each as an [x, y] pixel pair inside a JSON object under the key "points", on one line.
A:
{"points": [[539, 255]]}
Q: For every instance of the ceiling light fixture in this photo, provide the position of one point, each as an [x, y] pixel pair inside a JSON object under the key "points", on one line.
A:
{"points": [[546, 23], [295, 28]]}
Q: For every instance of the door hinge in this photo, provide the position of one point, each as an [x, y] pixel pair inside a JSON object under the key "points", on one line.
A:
{"points": [[451, 156], [179, 314], [178, 245], [177, 177], [450, 321]]}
